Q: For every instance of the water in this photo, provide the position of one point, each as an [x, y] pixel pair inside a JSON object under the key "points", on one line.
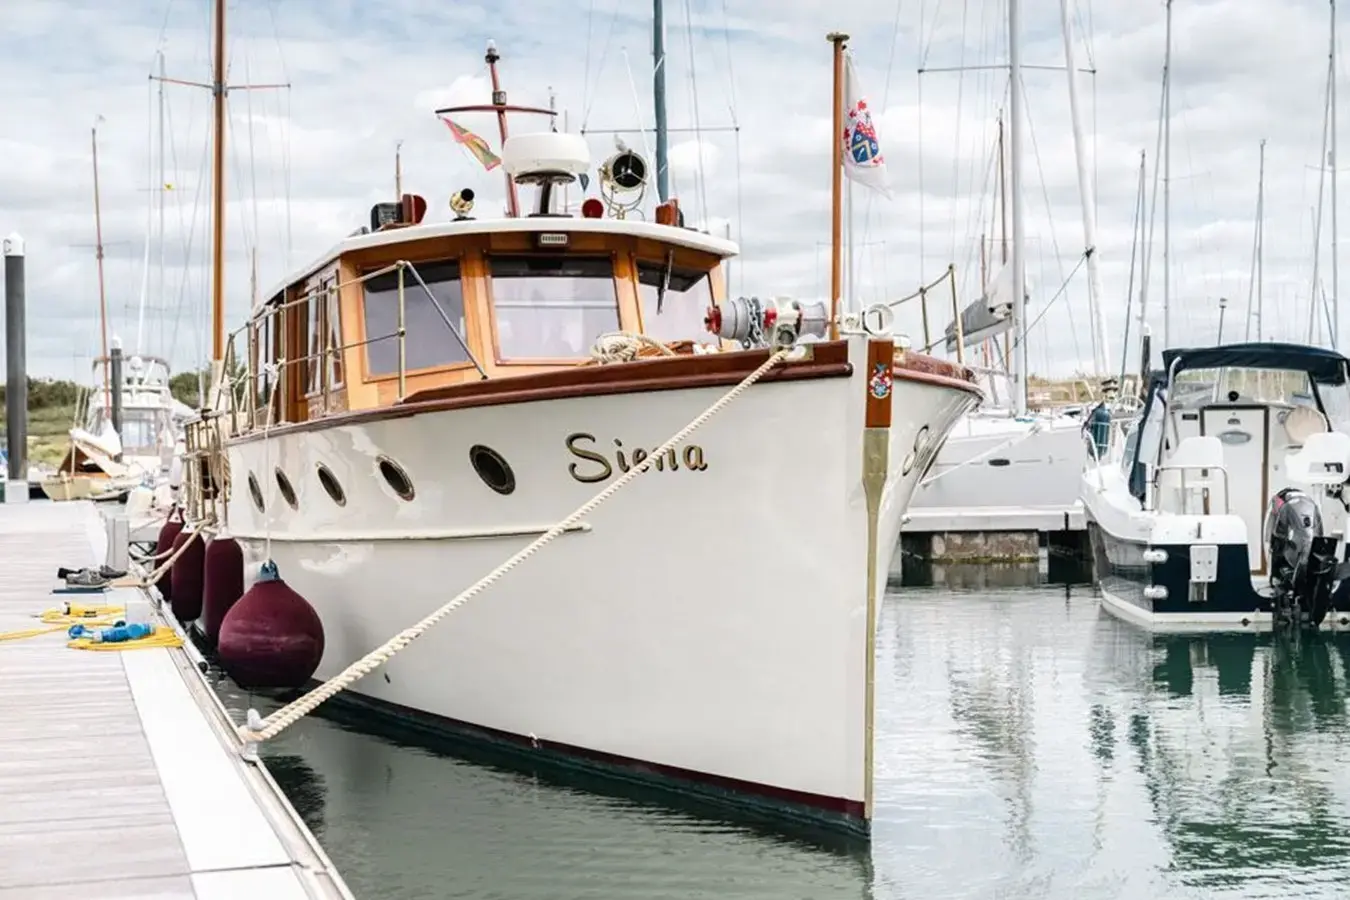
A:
{"points": [[1029, 746]]}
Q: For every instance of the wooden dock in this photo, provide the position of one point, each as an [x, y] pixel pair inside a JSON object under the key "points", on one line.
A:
{"points": [[119, 774]]}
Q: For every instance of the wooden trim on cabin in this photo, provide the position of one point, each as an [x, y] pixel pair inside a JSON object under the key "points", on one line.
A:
{"points": [[658, 374], [666, 373]]}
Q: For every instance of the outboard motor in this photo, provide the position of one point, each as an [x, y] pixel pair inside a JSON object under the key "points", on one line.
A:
{"points": [[1302, 560]]}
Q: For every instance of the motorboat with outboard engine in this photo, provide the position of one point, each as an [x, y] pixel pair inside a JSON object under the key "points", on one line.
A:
{"points": [[1222, 504]]}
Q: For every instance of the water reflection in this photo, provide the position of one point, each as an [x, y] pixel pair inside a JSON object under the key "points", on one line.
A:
{"points": [[1028, 746], [1237, 740], [403, 818]]}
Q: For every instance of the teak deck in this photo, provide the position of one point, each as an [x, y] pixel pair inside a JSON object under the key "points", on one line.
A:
{"points": [[114, 782]]}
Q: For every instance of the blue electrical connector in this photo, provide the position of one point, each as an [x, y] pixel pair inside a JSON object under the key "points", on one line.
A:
{"points": [[114, 635]]}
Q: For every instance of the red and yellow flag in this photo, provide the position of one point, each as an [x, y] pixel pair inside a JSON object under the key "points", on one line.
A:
{"points": [[474, 144]]}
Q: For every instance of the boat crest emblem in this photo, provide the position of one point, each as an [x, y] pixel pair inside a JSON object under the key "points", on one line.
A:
{"points": [[879, 385]]}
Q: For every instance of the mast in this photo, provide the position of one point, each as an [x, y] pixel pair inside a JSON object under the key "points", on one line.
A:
{"points": [[1019, 273], [98, 255], [659, 100], [1002, 195], [1261, 244], [1331, 163], [840, 42], [218, 191], [1254, 285], [1317, 215], [1100, 351], [162, 187], [499, 101], [1167, 184], [398, 170]]}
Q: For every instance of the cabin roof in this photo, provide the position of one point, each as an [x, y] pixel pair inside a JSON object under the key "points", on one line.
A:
{"points": [[669, 234], [1322, 365]]}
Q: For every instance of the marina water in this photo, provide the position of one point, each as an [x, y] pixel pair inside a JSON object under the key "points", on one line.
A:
{"points": [[1028, 746]]}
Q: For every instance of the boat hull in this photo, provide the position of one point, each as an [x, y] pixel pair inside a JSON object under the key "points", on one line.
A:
{"points": [[990, 462], [709, 627], [1135, 552]]}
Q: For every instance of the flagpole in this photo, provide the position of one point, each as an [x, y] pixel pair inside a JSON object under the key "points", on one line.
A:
{"points": [[850, 298], [840, 41]]}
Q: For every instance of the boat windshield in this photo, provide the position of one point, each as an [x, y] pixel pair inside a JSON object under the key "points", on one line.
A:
{"points": [[142, 429], [552, 307], [1194, 388]]}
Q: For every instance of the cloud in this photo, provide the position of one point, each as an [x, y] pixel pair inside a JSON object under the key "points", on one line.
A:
{"points": [[749, 97]]}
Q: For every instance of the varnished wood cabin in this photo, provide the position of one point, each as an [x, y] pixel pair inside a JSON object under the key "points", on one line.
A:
{"points": [[528, 295]]}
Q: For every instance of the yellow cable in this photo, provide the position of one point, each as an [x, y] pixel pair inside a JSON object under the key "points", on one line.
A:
{"points": [[60, 619]]}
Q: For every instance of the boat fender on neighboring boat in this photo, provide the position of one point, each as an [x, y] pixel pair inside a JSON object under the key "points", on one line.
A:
{"points": [[272, 637], [164, 546], [222, 583], [186, 576]]}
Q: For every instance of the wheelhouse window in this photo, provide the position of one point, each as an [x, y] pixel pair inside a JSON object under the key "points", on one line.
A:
{"points": [[429, 340], [552, 307], [678, 316]]}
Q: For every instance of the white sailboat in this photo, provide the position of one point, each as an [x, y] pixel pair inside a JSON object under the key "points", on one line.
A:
{"points": [[1007, 463]]}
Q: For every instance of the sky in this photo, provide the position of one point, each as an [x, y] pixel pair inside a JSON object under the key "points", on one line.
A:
{"points": [[749, 93]]}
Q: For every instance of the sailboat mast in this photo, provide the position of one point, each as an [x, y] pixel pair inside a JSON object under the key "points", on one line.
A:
{"points": [[1002, 196], [1167, 184], [398, 170], [161, 188], [1019, 273], [218, 192], [1331, 163], [102, 294], [1253, 290], [659, 100], [1101, 353], [840, 42], [1261, 242]]}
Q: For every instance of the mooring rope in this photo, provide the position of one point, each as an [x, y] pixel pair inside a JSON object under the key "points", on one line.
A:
{"points": [[258, 729]]}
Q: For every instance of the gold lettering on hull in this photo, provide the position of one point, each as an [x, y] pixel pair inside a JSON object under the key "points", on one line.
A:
{"points": [[593, 465]]}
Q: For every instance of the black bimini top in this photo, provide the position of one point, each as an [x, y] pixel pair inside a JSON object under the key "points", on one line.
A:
{"points": [[1322, 365]]}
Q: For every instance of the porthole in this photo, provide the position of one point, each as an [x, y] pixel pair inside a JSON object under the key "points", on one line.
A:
{"points": [[331, 486], [492, 468], [256, 493], [287, 489], [396, 478]]}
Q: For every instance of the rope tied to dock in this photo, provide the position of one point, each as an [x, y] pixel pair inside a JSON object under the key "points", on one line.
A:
{"points": [[258, 729], [153, 577]]}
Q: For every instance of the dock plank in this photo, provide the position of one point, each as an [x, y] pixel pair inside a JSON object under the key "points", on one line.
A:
{"points": [[79, 788], [114, 782]]}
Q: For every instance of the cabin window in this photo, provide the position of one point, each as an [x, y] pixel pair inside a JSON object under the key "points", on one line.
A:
{"points": [[314, 330], [552, 307], [430, 342], [267, 355], [688, 296], [334, 336]]}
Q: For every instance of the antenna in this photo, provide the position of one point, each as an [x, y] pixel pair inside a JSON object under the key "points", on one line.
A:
{"points": [[501, 108]]}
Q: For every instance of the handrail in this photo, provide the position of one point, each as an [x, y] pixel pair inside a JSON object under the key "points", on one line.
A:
{"points": [[273, 315], [1183, 468]]}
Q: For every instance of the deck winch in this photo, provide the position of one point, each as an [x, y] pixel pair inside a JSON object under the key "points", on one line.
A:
{"points": [[775, 323], [1303, 564]]}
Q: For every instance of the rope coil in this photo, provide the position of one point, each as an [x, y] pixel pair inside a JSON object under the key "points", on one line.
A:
{"points": [[257, 729]]}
